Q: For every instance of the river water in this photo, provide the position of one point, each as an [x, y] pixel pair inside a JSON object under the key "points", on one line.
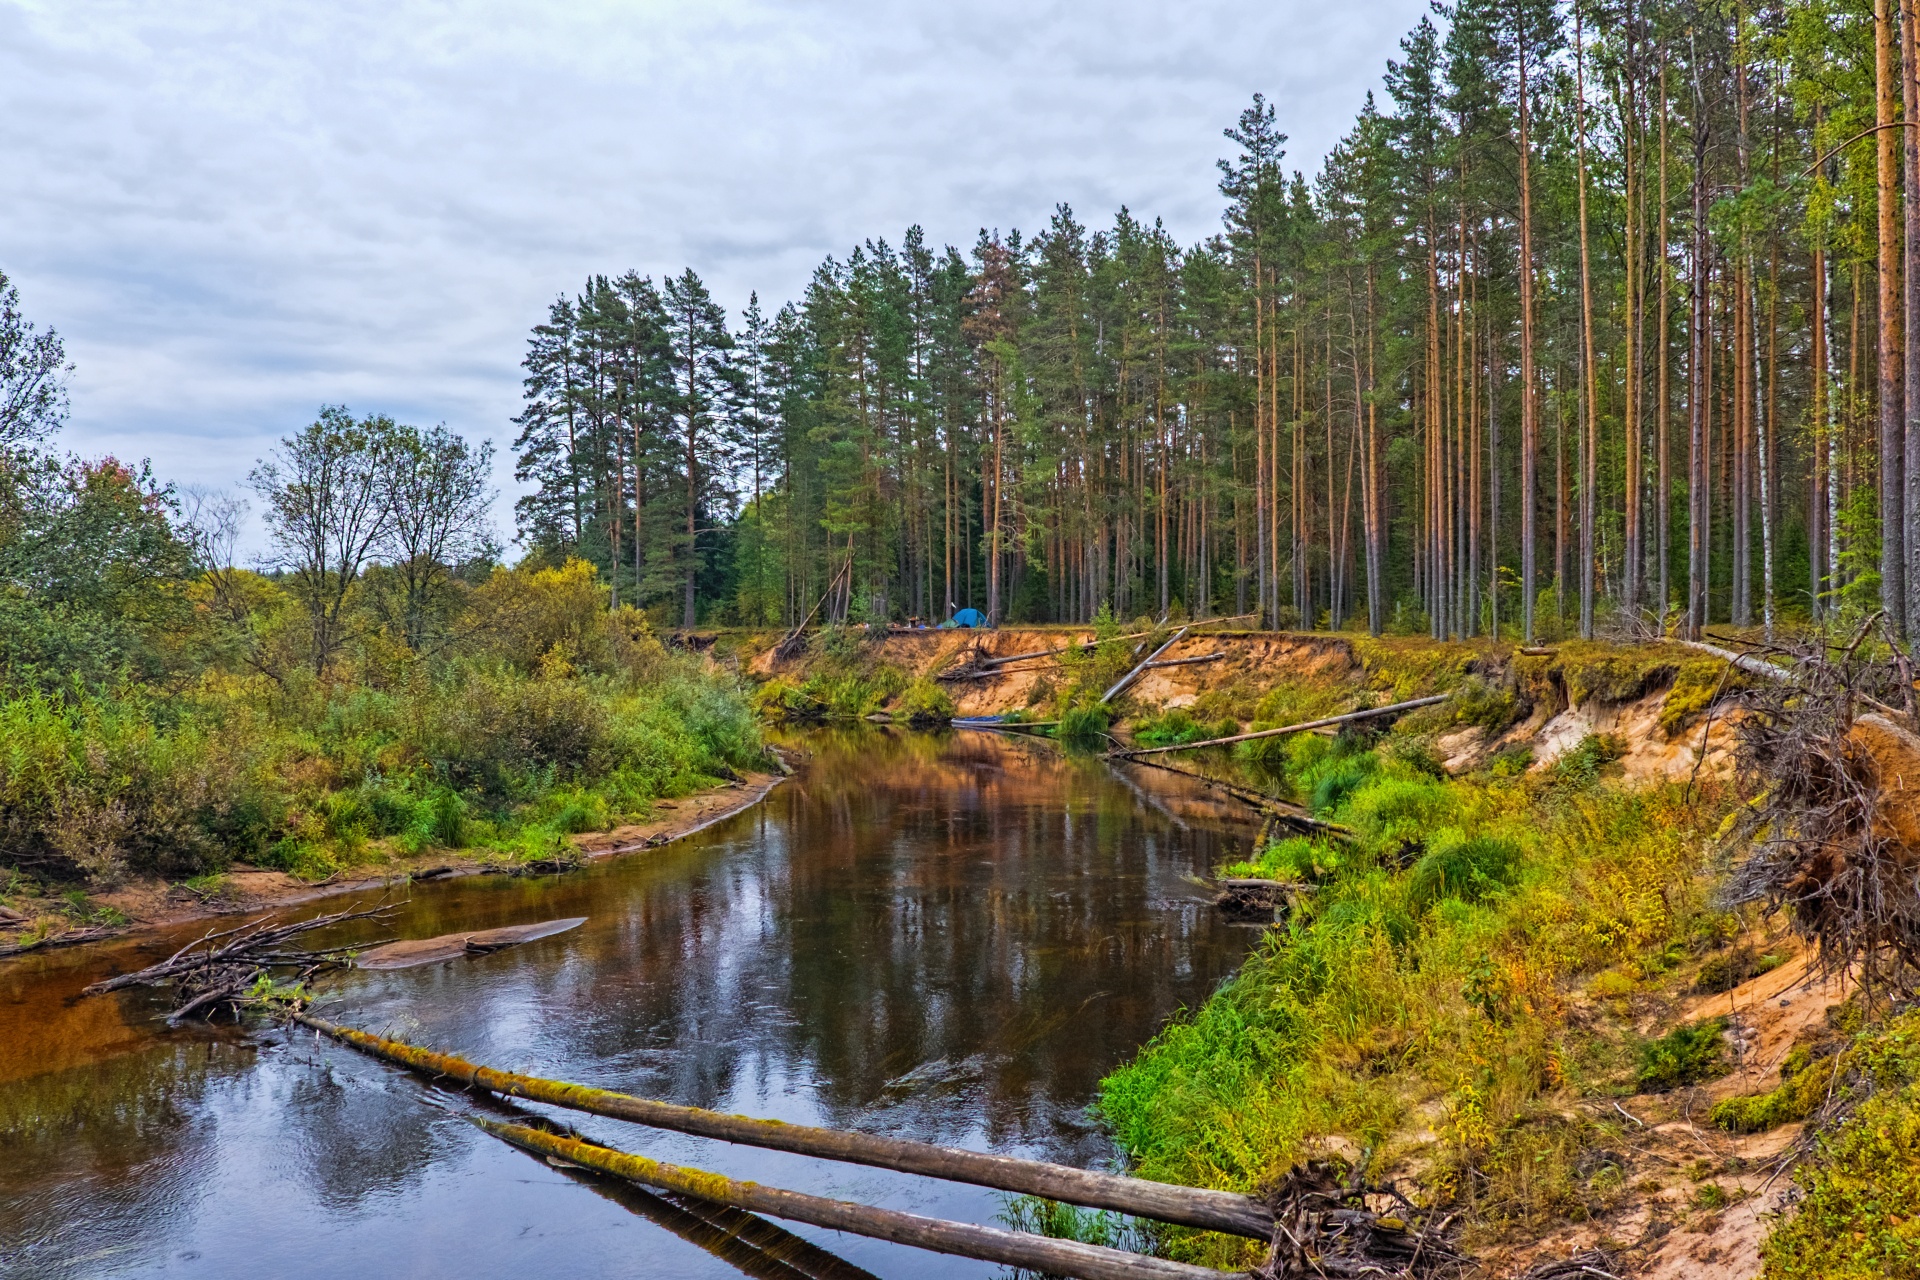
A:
{"points": [[944, 937]]}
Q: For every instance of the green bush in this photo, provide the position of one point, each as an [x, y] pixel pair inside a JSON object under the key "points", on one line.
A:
{"points": [[1338, 780], [97, 783], [924, 702], [1856, 1218], [1178, 727], [1493, 707], [1467, 869], [1686, 1055], [1367, 1000], [1581, 764], [1306, 859], [1391, 811], [1083, 725]]}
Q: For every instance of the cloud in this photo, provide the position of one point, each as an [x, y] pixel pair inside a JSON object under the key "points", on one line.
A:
{"points": [[234, 212]]}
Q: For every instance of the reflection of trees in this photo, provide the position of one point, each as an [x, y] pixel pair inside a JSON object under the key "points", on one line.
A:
{"points": [[355, 1143], [1029, 941], [972, 933], [936, 937], [96, 1156]]}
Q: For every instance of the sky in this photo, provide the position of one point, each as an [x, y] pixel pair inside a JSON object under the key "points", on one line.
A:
{"points": [[234, 213]]}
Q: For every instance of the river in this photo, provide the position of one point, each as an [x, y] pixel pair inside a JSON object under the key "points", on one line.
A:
{"points": [[945, 937]]}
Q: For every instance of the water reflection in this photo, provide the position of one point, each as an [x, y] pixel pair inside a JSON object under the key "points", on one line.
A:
{"points": [[949, 938]]}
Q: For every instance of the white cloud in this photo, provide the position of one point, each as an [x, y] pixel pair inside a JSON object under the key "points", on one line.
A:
{"points": [[234, 212]]}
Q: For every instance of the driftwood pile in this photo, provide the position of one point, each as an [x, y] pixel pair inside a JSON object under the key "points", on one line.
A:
{"points": [[1328, 1227], [220, 969], [1832, 766]]}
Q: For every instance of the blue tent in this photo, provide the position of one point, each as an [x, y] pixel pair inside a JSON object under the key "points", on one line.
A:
{"points": [[968, 618]]}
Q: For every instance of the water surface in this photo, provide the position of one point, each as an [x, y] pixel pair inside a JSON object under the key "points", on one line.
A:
{"points": [[949, 938]]}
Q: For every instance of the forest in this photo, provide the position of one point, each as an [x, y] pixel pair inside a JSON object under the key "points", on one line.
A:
{"points": [[1597, 321]]}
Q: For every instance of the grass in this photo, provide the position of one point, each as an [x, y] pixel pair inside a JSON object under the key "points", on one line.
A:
{"points": [[1178, 727], [1423, 987], [1475, 961]]}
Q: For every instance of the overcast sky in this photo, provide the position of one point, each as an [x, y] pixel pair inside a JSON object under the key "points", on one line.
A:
{"points": [[235, 212]]}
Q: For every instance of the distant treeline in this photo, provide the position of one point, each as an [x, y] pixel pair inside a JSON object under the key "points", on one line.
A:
{"points": [[1601, 312]]}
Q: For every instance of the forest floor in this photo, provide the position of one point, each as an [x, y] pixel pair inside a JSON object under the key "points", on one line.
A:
{"points": [[32, 922]]}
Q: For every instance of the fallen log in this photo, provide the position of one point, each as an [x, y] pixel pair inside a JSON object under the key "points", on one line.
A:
{"points": [[1186, 1206], [990, 1244], [1745, 661], [1281, 813], [1181, 662], [451, 946], [1002, 726], [757, 1248], [772, 1240], [1134, 674], [70, 938], [1351, 716]]}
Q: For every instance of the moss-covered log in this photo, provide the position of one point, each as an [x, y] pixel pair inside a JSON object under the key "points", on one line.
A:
{"points": [[1185, 1206], [991, 1244]]}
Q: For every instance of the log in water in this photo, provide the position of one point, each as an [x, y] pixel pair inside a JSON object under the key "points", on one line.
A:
{"points": [[451, 946], [1185, 1206], [990, 1244]]}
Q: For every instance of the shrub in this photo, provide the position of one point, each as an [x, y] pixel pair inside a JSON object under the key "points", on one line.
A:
{"points": [[782, 699], [1395, 810], [1856, 1221], [439, 821], [1300, 858], [1469, 870], [1808, 1078], [1580, 765], [95, 783], [1083, 725], [1728, 970], [1489, 706], [550, 616], [924, 702], [1695, 684], [1686, 1055]]}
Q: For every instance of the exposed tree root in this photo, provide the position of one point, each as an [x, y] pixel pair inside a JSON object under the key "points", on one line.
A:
{"points": [[1328, 1229]]}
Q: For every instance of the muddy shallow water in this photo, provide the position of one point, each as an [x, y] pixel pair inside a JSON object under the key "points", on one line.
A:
{"points": [[947, 937]]}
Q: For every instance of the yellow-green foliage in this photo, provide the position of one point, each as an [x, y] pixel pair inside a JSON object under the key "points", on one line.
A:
{"points": [[1694, 687], [1685, 1055], [1437, 986], [1090, 670], [1856, 1219], [1408, 668], [1807, 1079], [553, 715], [1614, 673], [924, 702], [1490, 704]]}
